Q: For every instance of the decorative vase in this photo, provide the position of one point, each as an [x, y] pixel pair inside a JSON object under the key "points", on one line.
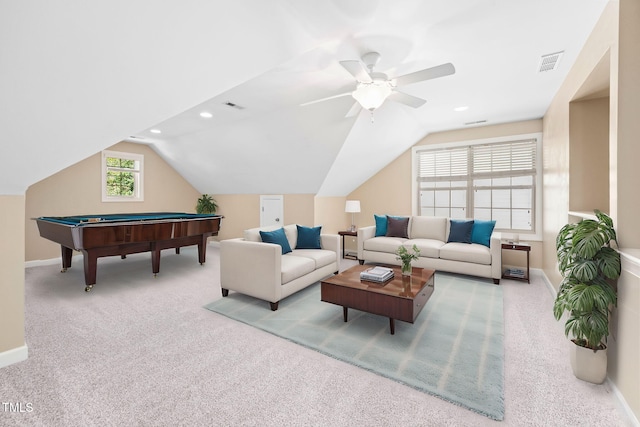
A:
{"points": [[406, 269], [589, 365]]}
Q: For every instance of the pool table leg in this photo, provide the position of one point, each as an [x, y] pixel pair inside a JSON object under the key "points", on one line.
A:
{"points": [[155, 261], [66, 258], [90, 268], [202, 249]]}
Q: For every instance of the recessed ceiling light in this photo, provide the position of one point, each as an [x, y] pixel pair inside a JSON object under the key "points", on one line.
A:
{"points": [[463, 108], [155, 131], [206, 115]]}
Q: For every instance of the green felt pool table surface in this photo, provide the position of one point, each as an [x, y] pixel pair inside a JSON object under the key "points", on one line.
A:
{"points": [[105, 218]]}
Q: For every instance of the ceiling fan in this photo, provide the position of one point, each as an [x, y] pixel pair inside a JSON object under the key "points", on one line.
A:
{"points": [[373, 88]]}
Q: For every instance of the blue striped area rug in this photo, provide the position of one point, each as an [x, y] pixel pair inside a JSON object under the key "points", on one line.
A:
{"points": [[454, 350]]}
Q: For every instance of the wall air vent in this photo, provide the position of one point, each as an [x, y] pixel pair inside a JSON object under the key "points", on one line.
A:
{"points": [[136, 137], [232, 105], [477, 122], [549, 62]]}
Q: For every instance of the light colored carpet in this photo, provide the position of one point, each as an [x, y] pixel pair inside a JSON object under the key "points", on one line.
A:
{"points": [[139, 351], [454, 350]]}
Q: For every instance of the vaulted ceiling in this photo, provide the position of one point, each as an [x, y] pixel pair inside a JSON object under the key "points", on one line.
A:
{"points": [[79, 76]]}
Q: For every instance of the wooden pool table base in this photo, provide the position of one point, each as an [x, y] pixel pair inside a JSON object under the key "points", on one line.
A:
{"points": [[90, 256], [150, 233]]}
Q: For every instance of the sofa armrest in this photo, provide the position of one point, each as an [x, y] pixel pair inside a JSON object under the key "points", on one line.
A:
{"points": [[252, 268], [331, 242], [495, 247], [365, 233]]}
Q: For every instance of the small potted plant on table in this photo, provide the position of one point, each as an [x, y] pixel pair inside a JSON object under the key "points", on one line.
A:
{"points": [[406, 257], [589, 267]]}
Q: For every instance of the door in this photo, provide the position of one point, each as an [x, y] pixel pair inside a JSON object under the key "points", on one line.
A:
{"points": [[271, 209]]}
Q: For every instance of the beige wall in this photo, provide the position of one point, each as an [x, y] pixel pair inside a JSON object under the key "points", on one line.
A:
{"points": [[12, 267], [242, 211], [613, 43], [389, 191], [556, 134], [589, 148], [76, 190], [329, 212]]}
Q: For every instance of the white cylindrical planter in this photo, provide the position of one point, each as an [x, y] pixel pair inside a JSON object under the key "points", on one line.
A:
{"points": [[588, 365]]}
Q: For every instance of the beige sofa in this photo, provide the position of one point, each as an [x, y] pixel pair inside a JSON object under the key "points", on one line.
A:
{"points": [[252, 267], [430, 235]]}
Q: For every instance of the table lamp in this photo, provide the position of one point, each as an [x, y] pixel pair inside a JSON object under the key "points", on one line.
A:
{"points": [[352, 207]]}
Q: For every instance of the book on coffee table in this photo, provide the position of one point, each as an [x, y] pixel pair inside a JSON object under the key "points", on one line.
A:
{"points": [[377, 274]]}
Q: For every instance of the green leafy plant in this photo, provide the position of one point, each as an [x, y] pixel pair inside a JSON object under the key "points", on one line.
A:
{"points": [[589, 267], [405, 256], [206, 205]]}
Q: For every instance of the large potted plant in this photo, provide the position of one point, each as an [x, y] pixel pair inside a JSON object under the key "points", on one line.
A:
{"points": [[589, 266], [206, 205]]}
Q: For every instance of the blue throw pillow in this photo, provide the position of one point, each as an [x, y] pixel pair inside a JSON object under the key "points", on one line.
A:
{"points": [[278, 237], [481, 232], [460, 231], [381, 225], [308, 237]]}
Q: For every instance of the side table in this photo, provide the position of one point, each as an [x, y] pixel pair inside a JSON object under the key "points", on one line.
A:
{"points": [[510, 274], [347, 233]]}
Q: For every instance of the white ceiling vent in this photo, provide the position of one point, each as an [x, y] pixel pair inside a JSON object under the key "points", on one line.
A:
{"points": [[549, 62], [477, 122], [232, 105]]}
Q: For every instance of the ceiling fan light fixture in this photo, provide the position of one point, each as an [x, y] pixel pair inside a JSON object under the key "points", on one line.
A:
{"points": [[371, 95]]}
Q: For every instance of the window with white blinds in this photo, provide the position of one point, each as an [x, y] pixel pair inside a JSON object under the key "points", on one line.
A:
{"points": [[491, 181]]}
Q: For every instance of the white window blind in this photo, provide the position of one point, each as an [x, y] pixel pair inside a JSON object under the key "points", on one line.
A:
{"points": [[494, 181]]}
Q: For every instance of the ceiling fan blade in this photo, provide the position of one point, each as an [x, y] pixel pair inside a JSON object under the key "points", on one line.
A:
{"points": [[354, 110], [340, 95], [357, 70], [405, 98], [426, 74]]}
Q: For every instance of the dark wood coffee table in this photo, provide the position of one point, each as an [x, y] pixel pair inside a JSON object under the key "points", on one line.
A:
{"points": [[401, 298]]}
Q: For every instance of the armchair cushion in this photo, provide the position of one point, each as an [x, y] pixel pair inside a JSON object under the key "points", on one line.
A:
{"points": [[278, 237]]}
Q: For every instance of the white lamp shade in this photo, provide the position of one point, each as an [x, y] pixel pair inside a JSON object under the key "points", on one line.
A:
{"points": [[352, 206]]}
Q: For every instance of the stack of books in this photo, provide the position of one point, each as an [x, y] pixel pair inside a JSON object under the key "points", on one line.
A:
{"points": [[377, 274], [516, 272]]}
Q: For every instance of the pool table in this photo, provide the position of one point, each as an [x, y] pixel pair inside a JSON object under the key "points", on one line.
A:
{"points": [[122, 234]]}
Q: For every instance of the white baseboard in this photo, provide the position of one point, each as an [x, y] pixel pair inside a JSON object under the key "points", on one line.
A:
{"points": [[547, 282], [52, 261], [14, 355], [625, 406]]}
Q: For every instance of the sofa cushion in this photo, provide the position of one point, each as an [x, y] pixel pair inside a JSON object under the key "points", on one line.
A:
{"points": [[474, 253], [383, 244], [308, 237], [381, 225], [428, 247], [481, 232], [460, 231], [293, 267], [321, 257], [278, 237], [397, 227], [428, 227]]}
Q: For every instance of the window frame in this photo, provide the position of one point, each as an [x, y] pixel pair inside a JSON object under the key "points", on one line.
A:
{"points": [[138, 187], [536, 234]]}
